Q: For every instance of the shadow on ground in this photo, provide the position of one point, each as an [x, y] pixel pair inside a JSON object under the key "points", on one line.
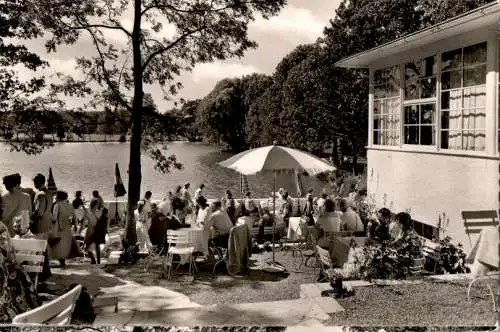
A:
{"points": [[207, 288]]}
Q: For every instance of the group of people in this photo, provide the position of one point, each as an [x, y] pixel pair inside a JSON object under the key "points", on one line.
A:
{"points": [[41, 213]]}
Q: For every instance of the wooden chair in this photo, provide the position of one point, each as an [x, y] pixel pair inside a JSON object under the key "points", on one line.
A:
{"points": [[475, 221], [179, 244], [30, 253], [325, 263], [56, 312], [431, 252], [417, 266]]}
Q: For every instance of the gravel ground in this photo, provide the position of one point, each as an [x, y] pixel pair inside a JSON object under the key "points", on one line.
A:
{"points": [[424, 304]]}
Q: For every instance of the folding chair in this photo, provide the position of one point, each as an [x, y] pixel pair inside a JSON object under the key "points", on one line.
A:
{"points": [[474, 222], [30, 254], [179, 244], [325, 263]]}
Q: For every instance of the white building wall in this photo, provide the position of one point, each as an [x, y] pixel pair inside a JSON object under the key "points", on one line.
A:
{"points": [[432, 184]]}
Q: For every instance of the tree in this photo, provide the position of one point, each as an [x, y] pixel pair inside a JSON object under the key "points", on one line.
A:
{"points": [[204, 31], [18, 97]]}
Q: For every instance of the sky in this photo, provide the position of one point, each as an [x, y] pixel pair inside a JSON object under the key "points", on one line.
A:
{"points": [[300, 22]]}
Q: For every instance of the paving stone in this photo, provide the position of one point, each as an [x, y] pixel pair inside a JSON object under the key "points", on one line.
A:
{"points": [[315, 289]]}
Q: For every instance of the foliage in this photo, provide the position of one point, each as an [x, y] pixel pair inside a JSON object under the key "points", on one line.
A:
{"points": [[202, 31], [451, 258], [391, 260]]}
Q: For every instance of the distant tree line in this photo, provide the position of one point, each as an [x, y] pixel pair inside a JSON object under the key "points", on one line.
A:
{"points": [[308, 103]]}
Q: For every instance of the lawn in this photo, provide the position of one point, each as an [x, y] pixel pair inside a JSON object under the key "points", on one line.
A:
{"points": [[428, 303]]}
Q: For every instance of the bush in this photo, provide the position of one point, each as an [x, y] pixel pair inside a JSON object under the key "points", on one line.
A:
{"points": [[451, 258], [391, 260]]}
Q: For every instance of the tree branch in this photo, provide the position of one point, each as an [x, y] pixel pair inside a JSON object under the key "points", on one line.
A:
{"points": [[116, 90], [182, 10], [170, 46], [104, 26]]}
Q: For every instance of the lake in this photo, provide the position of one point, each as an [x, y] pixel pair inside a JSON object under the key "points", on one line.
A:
{"points": [[91, 166]]}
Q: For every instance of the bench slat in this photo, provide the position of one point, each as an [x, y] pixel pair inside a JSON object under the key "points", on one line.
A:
{"points": [[480, 223], [29, 258], [32, 268], [482, 214]]}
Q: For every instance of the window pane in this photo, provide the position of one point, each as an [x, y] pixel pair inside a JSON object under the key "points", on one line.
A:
{"points": [[475, 76], [378, 77], [377, 107], [474, 140], [376, 122], [427, 135], [430, 66], [451, 140], [475, 54], [412, 90], [474, 119], [411, 114], [379, 91], [451, 79], [475, 97], [376, 137], [427, 114], [451, 60], [411, 134], [428, 88], [451, 119], [445, 100], [413, 70]]}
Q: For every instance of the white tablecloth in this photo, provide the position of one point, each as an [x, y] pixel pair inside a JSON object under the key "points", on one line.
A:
{"points": [[485, 252], [249, 221]]}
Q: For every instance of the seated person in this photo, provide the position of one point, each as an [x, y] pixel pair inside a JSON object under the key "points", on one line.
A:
{"points": [[379, 229], [203, 211], [250, 208], [400, 226], [178, 208], [321, 204], [329, 222], [350, 220], [219, 224], [287, 208], [158, 228]]}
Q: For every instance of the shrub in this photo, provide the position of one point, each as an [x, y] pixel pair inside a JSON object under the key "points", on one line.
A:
{"points": [[451, 258], [391, 260]]}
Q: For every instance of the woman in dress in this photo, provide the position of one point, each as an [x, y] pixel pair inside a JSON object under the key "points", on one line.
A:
{"points": [[63, 213], [309, 209], [230, 206], [17, 292], [91, 219], [141, 228], [42, 214]]}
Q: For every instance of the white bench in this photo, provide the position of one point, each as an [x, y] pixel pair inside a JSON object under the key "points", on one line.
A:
{"points": [[30, 254]]}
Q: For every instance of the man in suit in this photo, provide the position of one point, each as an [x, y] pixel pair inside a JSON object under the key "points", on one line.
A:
{"points": [[15, 202]]}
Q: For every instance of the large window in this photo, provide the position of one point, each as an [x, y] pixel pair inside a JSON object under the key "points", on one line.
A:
{"points": [[387, 107], [420, 102], [463, 98]]}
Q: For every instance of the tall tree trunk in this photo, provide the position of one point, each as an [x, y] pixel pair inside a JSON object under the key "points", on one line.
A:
{"points": [[134, 167]]}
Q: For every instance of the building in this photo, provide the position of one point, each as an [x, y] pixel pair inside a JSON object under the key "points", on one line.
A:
{"points": [[434, 140]]}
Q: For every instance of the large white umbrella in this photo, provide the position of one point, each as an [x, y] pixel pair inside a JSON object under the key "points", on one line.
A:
{"points": [[275, 158]]}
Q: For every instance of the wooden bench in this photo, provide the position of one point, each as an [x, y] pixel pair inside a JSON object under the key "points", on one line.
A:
{"points": [[431, 251], [56, 312], [30, 254]]}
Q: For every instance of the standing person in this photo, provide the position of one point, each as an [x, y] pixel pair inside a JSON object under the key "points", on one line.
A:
{"points": [[141, 228], [229, 205], [147, 207], [186, 196], [321, 204], [165, 206], [62, 212], [42, 214], [91, 217], [97, 197], [100, 231], [309, 209], [42, 217], [250, 208], [14, 202], [198, 192], [287, 207], [79, 212]]}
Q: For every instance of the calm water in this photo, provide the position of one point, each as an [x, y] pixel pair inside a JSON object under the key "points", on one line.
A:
{"points": [[90, 166]]}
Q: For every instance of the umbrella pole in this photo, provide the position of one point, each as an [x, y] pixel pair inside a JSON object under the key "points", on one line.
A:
{"points": [[274, 209], [117, 215]]}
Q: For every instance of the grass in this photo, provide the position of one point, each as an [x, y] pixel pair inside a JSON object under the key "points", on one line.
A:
{"points": [[428, 303]]}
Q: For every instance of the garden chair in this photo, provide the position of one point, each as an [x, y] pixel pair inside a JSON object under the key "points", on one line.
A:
{"points": [[154, 252], [179, 244], [325, 263], [475, 221], [431, 252], [30, 254], [56, 312]]}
